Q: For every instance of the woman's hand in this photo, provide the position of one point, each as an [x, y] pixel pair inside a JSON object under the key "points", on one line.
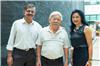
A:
{"points": [[88, 63]]}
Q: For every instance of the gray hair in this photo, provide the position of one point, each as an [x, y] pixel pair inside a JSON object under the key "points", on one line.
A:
{"points": [[55, 13]]}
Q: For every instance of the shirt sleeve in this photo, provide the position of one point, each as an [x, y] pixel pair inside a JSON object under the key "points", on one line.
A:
{"points": [[11, 37], [39, 28], [39, 39], [66, 41]]}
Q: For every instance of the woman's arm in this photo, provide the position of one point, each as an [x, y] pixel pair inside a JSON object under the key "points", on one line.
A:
{"points": [[88, 35]]}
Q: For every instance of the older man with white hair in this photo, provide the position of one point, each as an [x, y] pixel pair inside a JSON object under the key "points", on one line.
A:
{"points": [[53, 43]]}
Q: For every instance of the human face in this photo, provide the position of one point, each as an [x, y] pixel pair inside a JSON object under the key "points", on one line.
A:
{"points": [[76, 19], [55, 20], [29, 13]]}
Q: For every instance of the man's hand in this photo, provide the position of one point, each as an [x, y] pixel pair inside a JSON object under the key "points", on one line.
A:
{"points": [[38, 63], [66, 64], [9, 60]]}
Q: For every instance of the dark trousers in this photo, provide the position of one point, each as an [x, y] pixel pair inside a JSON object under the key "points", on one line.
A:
{"points": [[24, 58], [50, 62]]}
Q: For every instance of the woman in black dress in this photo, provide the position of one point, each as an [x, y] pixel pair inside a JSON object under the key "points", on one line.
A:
{"points": [[81, 40]]}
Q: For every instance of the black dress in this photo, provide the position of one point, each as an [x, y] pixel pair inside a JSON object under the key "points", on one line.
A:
{"points": [[78, 41]]}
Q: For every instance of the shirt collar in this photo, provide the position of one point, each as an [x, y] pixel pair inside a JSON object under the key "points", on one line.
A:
{"points": [[60, 29], [24, 22]]}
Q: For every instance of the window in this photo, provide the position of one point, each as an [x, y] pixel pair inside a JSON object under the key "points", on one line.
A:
{"points": [[93, 18], [87, 18], [92, 10], [98, 17]]}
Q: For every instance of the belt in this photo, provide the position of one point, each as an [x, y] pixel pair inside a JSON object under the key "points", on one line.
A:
{"points": [[81, 46], [60, 58], [28, 49]]}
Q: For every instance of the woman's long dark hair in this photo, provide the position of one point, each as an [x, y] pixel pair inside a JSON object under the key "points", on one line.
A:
{"points": [[81, 14]]}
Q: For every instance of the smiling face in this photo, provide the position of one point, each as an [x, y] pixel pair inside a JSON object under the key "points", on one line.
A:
{"points": [[29, 13], [76, 19], [55, 22]]}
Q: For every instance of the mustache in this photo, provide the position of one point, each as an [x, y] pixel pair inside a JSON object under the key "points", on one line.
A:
{"points": [[29, 15], [56, 23]]}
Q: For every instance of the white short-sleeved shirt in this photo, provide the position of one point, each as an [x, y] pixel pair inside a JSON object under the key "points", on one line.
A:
{"points": [[23, 35], [53, 44]]}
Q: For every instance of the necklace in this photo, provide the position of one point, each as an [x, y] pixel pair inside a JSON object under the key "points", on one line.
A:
{"points": [[77, 28]]}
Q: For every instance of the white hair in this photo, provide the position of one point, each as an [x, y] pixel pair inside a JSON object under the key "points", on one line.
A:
{"points": [[55, 13]]}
